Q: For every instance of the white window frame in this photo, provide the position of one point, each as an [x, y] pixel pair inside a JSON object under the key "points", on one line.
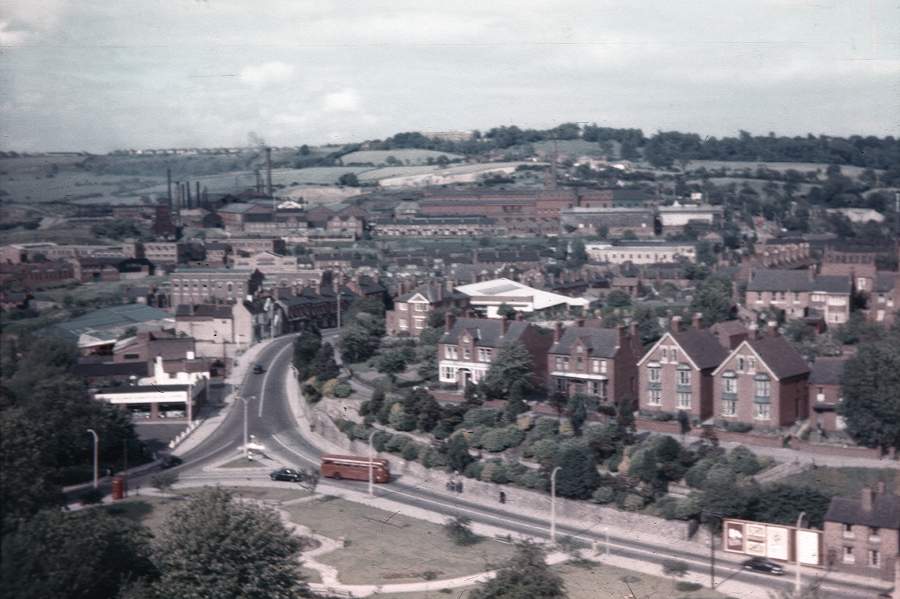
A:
{"points": [[654, 397], [654, 374], [762, 411], [682, 396], [729, 407]]}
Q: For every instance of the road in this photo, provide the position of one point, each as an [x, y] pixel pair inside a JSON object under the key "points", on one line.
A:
{"points": [[271, 421]]}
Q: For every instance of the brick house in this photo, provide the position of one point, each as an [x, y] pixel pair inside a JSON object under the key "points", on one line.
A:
{"points": [[762, 382], [825, 393], [861, 533], [676, 374], [594, 361], [884, 301], [800, 293], [412, 310], [469, 346]]}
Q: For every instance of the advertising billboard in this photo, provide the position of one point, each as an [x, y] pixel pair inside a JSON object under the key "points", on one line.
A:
{"points": [[772, 541]]}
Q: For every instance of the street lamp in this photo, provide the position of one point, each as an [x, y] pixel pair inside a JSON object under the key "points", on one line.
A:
{"points": [[96, 450], [712, 547], [796, 554], [371, 465], [244, 401], [553, 504]]}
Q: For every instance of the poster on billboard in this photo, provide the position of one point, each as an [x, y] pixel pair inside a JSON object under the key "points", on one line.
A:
{"points": [[778, 542], [734, 536], [756, 539], [808, 547]]}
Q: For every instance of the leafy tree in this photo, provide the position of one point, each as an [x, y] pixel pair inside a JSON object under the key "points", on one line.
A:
{"points": [[577, 409], [26, 485], [348, 179], [618, 299], [515, 405], [429, 414], [525, 576], [578, 475], [781, 504], [712, 298], [428, 369], [77, 555], [215, 547], [164, 480], [871, 389], [577, 254], [504, 310], [324, 365], [458, 453], [391, 363], [513, 364], [306, 347], [459, 529], [357, 343]]}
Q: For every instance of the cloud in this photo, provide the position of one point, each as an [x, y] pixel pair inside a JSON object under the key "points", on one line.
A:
{"points": [[346, 100], [10, 37], [267, 73]]}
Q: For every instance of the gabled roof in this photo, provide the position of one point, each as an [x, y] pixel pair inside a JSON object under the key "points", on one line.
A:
{"points": [[827, 371], [885, 512], [885, 282], [202, 311], [488, 332], [832, 284], [780, 356], [701, 346], [779, 280], [602, 343]]}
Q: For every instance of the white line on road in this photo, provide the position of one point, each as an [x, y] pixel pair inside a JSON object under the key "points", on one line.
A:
{"points": [[262, 392]]}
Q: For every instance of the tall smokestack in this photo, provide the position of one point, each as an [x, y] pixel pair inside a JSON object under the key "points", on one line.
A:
{"points": [[269, 171], [169, 185], [187, 193], [197, 195]]}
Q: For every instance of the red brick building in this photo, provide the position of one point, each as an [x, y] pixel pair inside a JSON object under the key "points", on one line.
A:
{"points": [[412, 310], [594, 361], [763, 382], [676, 374], [825, 393], [861, 533]]}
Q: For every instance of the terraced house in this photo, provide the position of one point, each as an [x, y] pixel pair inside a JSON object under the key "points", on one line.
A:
{"points": [[594, 361], [470, 345], [763, 383], [800, 293], [677, 373]]}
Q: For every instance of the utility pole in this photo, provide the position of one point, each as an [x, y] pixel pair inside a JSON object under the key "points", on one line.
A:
{"points": [[337, 294], [797, 556], [371, 465], [712, 547], [96, 453], [553, 504]]}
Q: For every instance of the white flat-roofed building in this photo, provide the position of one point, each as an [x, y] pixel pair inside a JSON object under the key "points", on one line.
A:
{"points": [[490, 295], [646, 252]]}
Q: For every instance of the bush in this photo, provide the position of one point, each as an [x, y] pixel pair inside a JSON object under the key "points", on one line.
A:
{"points": [[432, 458], [613, 463], [481, 417], [494, 472], [459, 530], [342, 390], [164, 480], [674, 567], [328, 387], [744, 461], [543, 450], [738, 427], [400, 420], [632, 502], [91, 497], [544, 428], [663, 416], [474, 470], [532, 479], [397, 443], [687, 587], [381, 440], [410, 452], [603, 495], [498, 439], [311, 394], [696, 474]]}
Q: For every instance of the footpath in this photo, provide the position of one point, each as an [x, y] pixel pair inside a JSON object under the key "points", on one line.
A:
{"points": [[727, 564]]}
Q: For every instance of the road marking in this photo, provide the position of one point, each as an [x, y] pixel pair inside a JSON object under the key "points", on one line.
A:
{"points": [[262, 392]]}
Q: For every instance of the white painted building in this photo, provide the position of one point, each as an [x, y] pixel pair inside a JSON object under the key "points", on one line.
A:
{"points": [[646, 252], [490, 295]]}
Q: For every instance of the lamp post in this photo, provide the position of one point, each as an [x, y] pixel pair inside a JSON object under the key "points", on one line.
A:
{"points": [[96, 451], [244, 401], [371, 465], [712, 547], [796, 554], [553, 504]]}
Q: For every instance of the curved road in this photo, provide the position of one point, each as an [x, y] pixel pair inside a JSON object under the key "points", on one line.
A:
{"points": [[270, 416]]}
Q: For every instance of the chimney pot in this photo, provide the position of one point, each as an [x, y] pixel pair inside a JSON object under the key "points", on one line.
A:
{"points": [[520, 316], [557, 332], [697, 320], [449, 321], [504, 326], [866, 497], [773, 328], [881, 487], [675, 324]]}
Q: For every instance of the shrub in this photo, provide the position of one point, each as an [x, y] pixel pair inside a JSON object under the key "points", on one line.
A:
{"points": [[544, 428], [674, 567], [311, 394], [360, 431], [91, 496], [481, 417], [434, 458], [397, 443], [474, 470], [543, 450], [459, 530], [410, 452], [342, 390], [663, 417], [532, 479], [429, 575], [696, 474], [400, 420], [632, 502], [744, 461], [381, 440], [603, 495], [687, 587], [613, 462], [328, 387], [738, 427], [498, 439]]}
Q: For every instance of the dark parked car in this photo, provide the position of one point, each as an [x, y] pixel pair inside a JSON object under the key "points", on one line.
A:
{"points": [[288, 474], [759, 564], [169, 461], [258, 369]]}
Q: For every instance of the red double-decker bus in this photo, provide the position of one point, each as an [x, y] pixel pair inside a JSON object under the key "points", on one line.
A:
{"points": [[353, 467]]}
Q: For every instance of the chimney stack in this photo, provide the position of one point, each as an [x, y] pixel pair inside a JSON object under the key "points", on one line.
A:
{"points": [[866, 499], [557, 332], [754, 330], [519, 316], [812, 272], [504, 326], [881, 487], [675, 324], [697, 320], [633, 329], [579, 322], [622, 334], [772, 328], [169, 184], [449, 321], [269, 171]]}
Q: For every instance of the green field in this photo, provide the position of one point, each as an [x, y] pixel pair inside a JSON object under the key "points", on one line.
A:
{"points": [[408, 156], [843, 481], [28, 187]]}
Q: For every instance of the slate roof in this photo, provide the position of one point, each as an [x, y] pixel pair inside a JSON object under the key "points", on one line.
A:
{"points": [[488, 332], [433, 292], [885, 282], [203, 311], [702, 346], [885, 511], [827, 371], [779, 280], [600, 342], [831, 284], [780, 356]]}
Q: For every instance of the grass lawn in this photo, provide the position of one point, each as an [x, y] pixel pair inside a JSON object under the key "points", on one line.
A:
{"points": [[385, 548], [590, 581], [290, 491], [843, 481], [242, 462], [147, 510]]}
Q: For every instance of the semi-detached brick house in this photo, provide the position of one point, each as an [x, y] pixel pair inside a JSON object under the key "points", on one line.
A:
{"points": [[799, 293], [825, 393], [594, 361], [763, 382], [676, 374], [861, 533], [470, 345], [412, 310]]}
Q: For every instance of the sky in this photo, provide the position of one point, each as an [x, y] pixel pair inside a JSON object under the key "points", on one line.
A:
{"points": [[98, 75]]}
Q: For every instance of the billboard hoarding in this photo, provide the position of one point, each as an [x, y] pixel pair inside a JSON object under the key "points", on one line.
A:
{"points": [[809, 547], [772, 541]]}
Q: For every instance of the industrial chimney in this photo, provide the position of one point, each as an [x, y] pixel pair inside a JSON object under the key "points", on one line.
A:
{"points": [[269, 171]]}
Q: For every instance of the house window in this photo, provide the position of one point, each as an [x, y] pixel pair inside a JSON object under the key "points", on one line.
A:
{"points": [[684, 400], [467, 353], [763, 387], [684, 376], [603, 366], [420, 323], [751, 364], [874, 558], [873, 535], [404, 324], [402, 307], [653, 373], [565, 364], [559, 363], [763, 411], [654, 397], [484, 355], [448, 373], [579, 364], [561, 384], [729, 384], [664, 356], [674, 355], [740, 364], [848, 555], [595, 366], [729, 407], [451, 352], [421, 307]]}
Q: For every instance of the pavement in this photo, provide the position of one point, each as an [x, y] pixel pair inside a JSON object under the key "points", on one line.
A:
{"points": [[272, 416]]}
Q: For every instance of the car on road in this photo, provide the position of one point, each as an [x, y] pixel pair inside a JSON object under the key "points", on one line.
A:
{"points": [[258, 369], [169, 461], [758, 564], [288, 474]]}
